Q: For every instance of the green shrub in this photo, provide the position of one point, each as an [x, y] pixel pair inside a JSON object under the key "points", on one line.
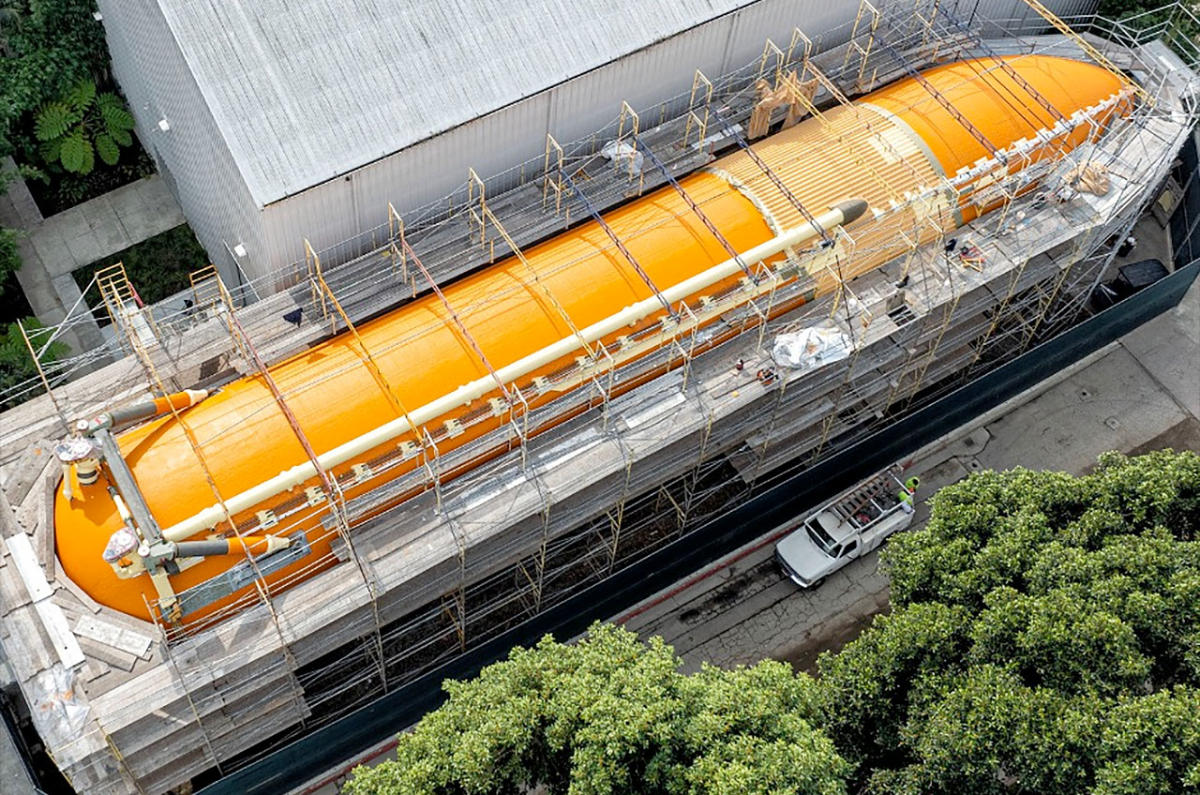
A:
{"points": [[1044, 638], [16, 365], [82, 125], [10, 258], [612, 714]]}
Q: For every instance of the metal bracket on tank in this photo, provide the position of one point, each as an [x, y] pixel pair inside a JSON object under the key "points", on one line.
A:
{"points": [[239, 576], [127, 486]]}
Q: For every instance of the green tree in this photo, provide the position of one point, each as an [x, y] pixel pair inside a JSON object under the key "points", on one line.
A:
{"points": [[868, 685], [10, 257], [81, 125], [16, 365], [10, 17], [50, 48], [1045, 638], [51, 45], [614, 715], [1152, 744], [1145, 14]]}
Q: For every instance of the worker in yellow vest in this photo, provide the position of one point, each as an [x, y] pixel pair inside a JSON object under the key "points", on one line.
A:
{"points": [[905, 496]]}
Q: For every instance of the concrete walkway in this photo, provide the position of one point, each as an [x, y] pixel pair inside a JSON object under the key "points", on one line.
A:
{"points": [[105, 225], [1137, 394], [52, 248]]}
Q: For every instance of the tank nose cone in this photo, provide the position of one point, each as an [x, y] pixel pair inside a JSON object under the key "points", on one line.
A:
{"points": [[851, 209]]}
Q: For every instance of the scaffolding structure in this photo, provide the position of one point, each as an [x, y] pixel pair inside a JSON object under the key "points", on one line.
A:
{"points": [[435, 562]]}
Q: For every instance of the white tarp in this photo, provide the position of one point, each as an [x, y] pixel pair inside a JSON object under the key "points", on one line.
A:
{"points": [[57, 713], [621, 154], [810, 347]]}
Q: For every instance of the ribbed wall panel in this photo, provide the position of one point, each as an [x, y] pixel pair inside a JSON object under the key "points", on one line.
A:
{"points": [[155, 72], [818, 160]]}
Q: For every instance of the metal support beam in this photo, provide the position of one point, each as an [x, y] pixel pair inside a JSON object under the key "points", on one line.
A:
{"points": [[457, 321], [1087, 47], [938, 97], [1013, 74], [368, 360], [486, 213], [745, 146], [128, 486]]}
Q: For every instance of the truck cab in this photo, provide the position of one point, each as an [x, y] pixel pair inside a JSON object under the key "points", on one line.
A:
{"points": [[847, 527]]}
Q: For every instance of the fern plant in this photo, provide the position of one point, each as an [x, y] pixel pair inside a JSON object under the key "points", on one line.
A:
{"points": [[82, 125]]}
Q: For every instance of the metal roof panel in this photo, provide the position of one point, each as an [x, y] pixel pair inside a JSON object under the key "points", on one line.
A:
{"points": [[306, 90]]}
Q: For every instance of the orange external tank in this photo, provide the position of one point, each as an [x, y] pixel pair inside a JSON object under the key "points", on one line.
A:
{"points": [[187, 465]]}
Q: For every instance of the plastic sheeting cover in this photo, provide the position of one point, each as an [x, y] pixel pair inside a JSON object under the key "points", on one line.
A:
{"points": [[810, 347], [624, 155], [56, 711]]}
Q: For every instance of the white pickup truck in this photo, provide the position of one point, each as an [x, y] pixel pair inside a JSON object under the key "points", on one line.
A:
{"points": [[847, 527]]}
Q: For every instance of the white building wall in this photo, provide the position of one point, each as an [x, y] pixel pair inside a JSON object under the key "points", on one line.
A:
{"points": [[214, 198], [337, 210], [191, 155]]}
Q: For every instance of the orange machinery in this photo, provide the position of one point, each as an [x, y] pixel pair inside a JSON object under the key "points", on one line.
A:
{"points": [[188, 559]]}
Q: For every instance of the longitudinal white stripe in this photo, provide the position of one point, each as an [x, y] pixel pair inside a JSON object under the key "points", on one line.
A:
{"points": [[843, 213]]}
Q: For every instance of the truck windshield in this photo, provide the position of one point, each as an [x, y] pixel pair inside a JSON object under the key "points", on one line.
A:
{"points": [[821, 538]]}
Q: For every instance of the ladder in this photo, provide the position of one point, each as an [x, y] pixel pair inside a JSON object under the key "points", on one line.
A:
{"points": [[126, 311], [877, 489]]}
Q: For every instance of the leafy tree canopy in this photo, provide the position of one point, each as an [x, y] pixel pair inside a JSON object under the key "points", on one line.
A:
{"points": [[16, 365], [10, 257], [48, 47], [81, 125], [615, 715], [10, 254], [1149, 13], [1045, 638]]}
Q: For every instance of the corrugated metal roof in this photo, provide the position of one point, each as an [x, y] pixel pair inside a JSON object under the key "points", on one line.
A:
{"points": [[305, 90]]}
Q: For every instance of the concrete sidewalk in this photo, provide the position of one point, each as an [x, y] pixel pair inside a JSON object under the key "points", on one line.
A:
{"points": [[53, 248], [1137, 394]]}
